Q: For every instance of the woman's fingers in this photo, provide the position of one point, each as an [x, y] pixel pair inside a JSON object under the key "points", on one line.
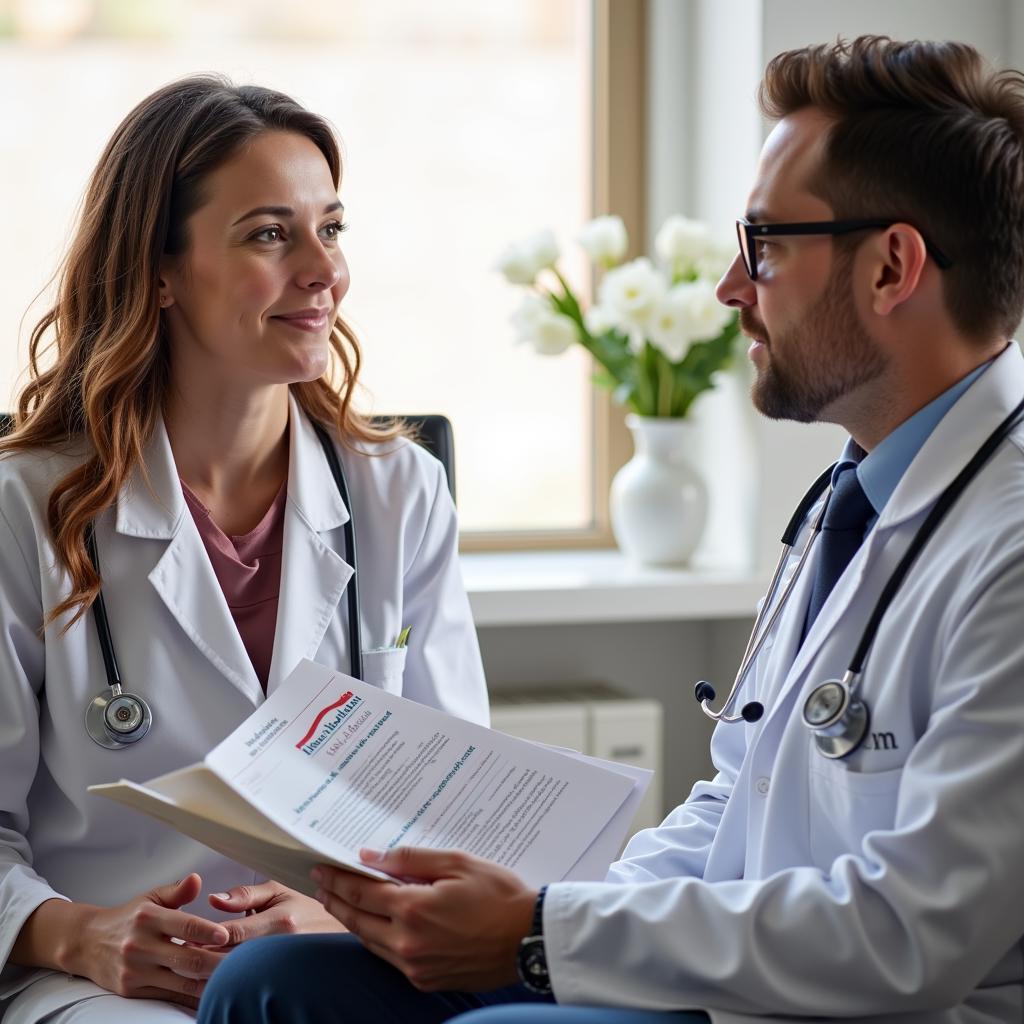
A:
{"points": [[168, 981], [192, 961], [246, 897], [177, 924]]}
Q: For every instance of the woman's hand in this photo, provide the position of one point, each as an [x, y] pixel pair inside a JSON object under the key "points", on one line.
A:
{"points": [[128, 949], [455, 925], [271, 909]]}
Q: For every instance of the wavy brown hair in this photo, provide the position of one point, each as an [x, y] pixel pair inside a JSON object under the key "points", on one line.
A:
{"points": [[108, 382], [928, 133]]}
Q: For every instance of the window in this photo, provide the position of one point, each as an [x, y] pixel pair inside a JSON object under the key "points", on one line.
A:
{"points": [[465, 126]]}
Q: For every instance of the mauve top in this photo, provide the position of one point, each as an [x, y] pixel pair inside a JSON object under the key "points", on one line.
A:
{"points": [[248, 569]]}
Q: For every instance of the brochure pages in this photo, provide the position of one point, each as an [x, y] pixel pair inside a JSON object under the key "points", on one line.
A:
{"points": [[328, 764]]}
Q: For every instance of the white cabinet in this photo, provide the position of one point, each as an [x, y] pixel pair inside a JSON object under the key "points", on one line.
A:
{"points": [[594, 719]]}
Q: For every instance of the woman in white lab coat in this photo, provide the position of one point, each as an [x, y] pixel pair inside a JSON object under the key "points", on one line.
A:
{"points": [[198, 339]]}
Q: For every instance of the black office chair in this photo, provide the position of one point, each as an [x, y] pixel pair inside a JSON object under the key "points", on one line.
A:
{"points": [[433, 432]]}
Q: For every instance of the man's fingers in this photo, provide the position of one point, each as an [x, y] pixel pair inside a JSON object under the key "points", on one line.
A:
{"points": [[381, 950], [360, 922], [417, 862], [358, 891]]}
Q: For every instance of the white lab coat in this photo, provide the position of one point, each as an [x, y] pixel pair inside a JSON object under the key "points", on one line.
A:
{"points": [[177, 645], [888, 883]]}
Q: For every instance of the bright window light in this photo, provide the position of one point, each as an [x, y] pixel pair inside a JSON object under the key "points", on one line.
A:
{"points": [[465, 127]]}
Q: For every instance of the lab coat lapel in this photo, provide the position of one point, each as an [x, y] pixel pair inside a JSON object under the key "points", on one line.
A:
{"points": [[313, 574], [957, 437], [950, 447], [184, 576]]}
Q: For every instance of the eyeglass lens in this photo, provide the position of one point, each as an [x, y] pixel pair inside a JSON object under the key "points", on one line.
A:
{"points": [[741, 234]]}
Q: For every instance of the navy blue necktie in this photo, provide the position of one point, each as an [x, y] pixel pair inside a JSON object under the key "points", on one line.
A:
{"points": [[842, 531]]}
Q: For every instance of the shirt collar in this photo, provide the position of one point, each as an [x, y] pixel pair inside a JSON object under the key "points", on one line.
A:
{"points": [[880, 470]]}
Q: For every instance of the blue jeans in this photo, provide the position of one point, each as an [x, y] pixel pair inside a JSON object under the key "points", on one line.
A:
{"points": [[333, 979]]}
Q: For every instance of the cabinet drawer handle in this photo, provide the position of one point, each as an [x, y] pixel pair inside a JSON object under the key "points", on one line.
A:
{"points": [[626, 751]]}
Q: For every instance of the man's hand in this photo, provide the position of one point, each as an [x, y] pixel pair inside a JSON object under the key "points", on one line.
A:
{"points": [[271, 909], [455, 925]]}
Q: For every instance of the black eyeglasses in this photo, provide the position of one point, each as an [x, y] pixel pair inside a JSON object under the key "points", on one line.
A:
{"points": [[748, 235]]}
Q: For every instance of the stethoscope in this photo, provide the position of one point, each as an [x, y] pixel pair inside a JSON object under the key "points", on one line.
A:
{"points": [[837, 717], [116, 718]]}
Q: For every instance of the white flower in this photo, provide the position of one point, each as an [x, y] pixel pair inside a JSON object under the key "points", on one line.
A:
{"points": [[527, 315], [554, 334], [631, 292], [544, 249], [605, 240], [688, 313], [706, 315], [713, 263], [535, 321], [670, 324], [681, 240], [522, 261], [599, 320]]}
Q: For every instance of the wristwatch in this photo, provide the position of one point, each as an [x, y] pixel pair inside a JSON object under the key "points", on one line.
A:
{"points": [[531, 959]]}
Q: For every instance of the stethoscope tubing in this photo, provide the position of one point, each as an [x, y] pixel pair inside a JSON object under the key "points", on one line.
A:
{"points": [[99, 609], [945, 501], [354, 631], [931, 523], [758, 635]]}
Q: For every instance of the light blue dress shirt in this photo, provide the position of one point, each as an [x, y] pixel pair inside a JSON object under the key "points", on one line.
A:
{"points": [[880, 470]]}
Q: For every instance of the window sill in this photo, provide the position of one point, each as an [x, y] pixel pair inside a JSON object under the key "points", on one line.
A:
{"points": [[560, 587]]}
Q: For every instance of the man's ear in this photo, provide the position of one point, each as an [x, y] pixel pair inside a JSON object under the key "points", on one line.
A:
{"points": [[900, 256]]}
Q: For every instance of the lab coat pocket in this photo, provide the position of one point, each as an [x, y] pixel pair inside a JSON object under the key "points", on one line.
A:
{"points": [[846, 805], [384, 667]]}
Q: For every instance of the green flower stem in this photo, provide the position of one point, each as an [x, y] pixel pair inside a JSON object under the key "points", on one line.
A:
{"points": [[664, 386], [646, 382]]}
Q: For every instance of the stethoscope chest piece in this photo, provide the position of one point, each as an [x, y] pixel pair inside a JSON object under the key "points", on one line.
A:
{"points": [[837, 719], [114, 719]]}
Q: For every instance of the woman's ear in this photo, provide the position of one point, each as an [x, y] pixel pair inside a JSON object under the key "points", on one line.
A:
{"points": [[901, 256], [164, 291]]}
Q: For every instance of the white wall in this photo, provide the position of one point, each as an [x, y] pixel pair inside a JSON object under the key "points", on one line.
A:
{"points": [[705, 61], [706, 57]]}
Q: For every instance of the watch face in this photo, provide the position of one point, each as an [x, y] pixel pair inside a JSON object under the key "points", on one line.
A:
{"points": [[532, 965]]}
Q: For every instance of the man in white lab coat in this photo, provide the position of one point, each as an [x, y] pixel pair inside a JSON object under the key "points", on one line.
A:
{"points": [[810, 877]]}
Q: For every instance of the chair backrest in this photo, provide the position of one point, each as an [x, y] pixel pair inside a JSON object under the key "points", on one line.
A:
{"points": [[432, 432]]}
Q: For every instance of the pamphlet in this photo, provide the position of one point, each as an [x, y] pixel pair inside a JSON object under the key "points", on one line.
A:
{"points": [[328, 765]]}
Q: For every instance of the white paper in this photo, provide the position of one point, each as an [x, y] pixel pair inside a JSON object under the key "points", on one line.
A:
{"points": [[593, 863], [329, 764]]}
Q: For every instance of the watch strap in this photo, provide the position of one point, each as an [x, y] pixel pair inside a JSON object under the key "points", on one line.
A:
{"points": [[531, 959], [537, 926]]}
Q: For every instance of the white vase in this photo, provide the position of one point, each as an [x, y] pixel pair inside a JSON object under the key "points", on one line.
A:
{"points": [[658, 501]]}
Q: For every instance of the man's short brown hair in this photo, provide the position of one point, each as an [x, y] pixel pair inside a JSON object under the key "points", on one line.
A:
{"points": [[928, 133]]}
